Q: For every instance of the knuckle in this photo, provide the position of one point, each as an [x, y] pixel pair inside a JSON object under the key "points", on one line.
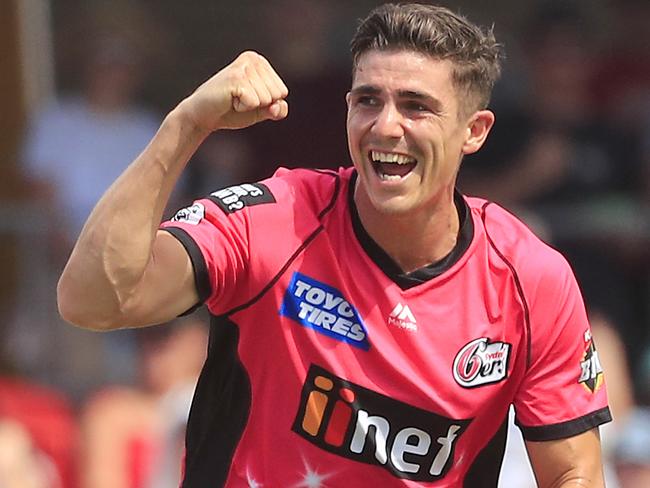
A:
{"points": [[238, 74], [250, 56]]}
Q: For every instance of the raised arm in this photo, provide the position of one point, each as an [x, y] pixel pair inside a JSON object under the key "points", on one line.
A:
{"points": [[123, 271]]}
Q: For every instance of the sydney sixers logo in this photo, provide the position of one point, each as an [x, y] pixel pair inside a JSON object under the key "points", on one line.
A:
{"points": [[481, 362]]}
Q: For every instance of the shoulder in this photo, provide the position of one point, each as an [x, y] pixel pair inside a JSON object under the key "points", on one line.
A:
{"points": [[291, 203], [534, 262], [313, 187], [304, 192]]}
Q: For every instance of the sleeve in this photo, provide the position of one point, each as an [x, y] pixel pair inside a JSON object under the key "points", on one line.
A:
{"points": [[563, 392], [215, 232]]}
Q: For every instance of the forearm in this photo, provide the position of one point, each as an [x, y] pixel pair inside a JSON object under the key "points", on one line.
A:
{"points": [[573, 462], [119, 273], [115, 246], [578, 483]]}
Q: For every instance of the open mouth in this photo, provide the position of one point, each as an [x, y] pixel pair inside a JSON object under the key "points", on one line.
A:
{"points": [[391, 166]]}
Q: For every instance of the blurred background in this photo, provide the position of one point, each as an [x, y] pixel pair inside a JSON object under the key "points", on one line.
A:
{"points": [[85, 84]]}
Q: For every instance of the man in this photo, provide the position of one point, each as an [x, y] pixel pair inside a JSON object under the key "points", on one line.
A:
{"points": [[371, 325]]}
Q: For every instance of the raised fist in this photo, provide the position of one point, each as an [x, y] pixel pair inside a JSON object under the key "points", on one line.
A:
{"points": [[243, 93]]}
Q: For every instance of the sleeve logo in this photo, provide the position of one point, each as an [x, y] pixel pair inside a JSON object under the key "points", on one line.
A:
{"points": [[320, 307], [237, 197], [481, 362], [591, 371], [190, 215]]}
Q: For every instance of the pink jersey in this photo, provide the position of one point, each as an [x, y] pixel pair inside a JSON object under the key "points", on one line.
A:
{"points": [[329, 367]]}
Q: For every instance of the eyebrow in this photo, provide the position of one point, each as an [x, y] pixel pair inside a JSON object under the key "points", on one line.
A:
{"points": [[365, 90], [407, 94]]}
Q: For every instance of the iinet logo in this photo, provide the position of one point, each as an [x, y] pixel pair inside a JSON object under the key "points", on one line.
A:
{"points": [[402, 317], [360, 424]]}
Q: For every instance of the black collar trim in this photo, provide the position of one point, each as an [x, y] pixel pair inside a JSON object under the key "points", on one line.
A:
{"points": [[426, 273]]}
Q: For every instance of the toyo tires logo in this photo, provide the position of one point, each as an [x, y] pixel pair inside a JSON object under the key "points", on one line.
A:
{"points": [[324, 309], [481, 362]]}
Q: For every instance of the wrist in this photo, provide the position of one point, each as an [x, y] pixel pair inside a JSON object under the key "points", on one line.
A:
{"points": [[183, 117]]}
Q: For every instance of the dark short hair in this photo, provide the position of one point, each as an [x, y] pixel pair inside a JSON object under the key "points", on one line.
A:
{"points": [[441, 34]]}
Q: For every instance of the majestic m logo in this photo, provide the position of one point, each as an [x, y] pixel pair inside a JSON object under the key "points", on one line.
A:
{"points": [[402, 317]]}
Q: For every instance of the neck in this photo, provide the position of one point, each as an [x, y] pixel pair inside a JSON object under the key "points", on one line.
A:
{"points": [[416, 239]]}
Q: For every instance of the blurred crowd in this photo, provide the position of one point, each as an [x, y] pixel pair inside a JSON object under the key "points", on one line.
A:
{"points": [[569, 154]]}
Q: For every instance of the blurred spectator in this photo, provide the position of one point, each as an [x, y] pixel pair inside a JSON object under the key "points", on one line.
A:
{"points": [[74, 148], [132, 437], [21, 464], [632, 453], [550, 148], [621, 84], [311, 135], [224, 159], [81, 142], [554, 155], [620, 389], [38, 436]]}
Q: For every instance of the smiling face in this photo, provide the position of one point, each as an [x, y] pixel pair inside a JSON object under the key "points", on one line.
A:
{"points": [[405, 134]]}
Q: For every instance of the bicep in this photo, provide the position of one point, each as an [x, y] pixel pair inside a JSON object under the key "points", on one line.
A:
{"points": [[571, 462], [167, 288]]}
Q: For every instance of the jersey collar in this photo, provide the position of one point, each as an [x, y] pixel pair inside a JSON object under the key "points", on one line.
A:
{"points": [[426, 273]]}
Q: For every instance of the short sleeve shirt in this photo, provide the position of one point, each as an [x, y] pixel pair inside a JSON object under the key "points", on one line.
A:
{"points": [[328, 366]]}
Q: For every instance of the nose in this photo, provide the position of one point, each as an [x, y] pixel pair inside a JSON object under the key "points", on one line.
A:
{"points": [[388, 122]]}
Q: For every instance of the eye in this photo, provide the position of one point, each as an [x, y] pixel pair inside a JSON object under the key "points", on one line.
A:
{"points": [[367, 101], [414, 106]]}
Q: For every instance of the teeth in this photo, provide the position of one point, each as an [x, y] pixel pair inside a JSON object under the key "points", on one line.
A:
{"points": [[386, 177], [383, 157]]}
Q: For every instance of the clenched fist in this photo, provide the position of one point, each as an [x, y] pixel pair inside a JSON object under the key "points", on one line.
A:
{"points": [[243, 93]]}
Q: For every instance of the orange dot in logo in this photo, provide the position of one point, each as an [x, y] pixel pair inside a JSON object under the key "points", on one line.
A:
{"points": [[323, 383]]}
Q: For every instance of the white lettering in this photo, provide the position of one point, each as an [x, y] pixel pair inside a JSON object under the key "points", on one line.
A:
{"points": [[252, 190], [222, 193], [345, 310], [305, 308], [381, 428], [239, 190], [325, 320], [313, 316], [230, 199], [401, 445], [331, 301], [591, 368], [596, 368], [301, 287], [342, 326], [445, 451], [356, 333], [315, 296]]}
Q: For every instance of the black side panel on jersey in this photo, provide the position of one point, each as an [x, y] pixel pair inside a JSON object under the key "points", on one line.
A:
{"points": [[219, 410], [222, 399], [484, 471]]}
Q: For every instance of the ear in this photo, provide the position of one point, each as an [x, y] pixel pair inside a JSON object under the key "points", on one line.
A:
{"points": [[348, 97], [478, 128]]}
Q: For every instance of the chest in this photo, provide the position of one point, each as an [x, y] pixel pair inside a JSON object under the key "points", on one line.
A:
{"points": [[451, 345]]}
